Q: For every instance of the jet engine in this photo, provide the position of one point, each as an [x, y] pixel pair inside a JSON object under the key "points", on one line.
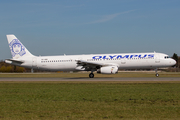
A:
{"points": [[108, 70]]}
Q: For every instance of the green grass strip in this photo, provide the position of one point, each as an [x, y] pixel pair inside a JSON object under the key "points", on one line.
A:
{"points": [[90, 100]]}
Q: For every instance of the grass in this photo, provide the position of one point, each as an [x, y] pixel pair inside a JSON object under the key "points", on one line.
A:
{"points": [[79, 75], [90, 100]]}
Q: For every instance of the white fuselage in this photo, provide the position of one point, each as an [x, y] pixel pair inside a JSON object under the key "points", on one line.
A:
{"points": [[123, 61]]}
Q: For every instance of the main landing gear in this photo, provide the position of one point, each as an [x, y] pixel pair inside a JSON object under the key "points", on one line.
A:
{"points": [[91, 75], [157, 75]]}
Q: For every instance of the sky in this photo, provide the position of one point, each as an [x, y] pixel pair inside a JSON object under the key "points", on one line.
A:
{"points": [[58, 27]]}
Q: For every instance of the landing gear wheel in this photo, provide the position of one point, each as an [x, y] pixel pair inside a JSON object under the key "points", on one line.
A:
{"points": [[91, 75], [157, 75]]}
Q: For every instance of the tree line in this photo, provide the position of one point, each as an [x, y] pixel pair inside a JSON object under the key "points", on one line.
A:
{"points": [[7, 68]]}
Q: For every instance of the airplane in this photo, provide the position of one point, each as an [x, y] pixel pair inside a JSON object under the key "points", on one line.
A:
{"points": [[102, 63]]}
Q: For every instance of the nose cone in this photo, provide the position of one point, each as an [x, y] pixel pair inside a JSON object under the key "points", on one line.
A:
{"points": [[173, 62]]}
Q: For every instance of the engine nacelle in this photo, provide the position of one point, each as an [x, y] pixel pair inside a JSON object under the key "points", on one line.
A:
{"points": [[108, 70]]}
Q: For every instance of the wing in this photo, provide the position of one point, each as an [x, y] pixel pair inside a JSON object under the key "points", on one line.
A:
{"points": [[91, 66]]}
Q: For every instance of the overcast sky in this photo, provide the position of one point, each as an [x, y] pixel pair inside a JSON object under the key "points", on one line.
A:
{"points": [[57, 27]]}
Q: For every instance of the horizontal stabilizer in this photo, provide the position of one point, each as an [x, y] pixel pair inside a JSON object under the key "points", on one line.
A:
{"points": [[14, 60]]}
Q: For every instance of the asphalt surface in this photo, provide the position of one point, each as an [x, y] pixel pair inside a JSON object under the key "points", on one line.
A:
{"points": [[93, 79]]}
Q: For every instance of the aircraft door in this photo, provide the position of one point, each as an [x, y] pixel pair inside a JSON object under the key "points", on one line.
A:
{"points": [[34, 62], [123, 61], [157, 58]]}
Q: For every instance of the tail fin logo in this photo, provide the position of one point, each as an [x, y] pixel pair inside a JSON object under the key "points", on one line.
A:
{"points": [[17, 48]]}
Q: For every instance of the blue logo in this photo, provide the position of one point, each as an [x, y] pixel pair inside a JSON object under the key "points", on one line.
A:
{"points": [[17, 48], [123, 56]]}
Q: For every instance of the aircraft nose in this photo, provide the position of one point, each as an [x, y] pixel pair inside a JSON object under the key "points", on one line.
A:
{"points": [[173, 62]]}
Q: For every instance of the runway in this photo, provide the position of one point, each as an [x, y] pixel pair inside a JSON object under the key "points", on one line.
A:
{"points": [[92, 79]]}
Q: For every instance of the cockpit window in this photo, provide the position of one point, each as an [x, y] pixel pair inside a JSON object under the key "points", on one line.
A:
{"points": [[166, 57]]}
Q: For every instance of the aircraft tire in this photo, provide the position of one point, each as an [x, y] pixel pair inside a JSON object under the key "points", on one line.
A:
{"points": [[157, 75], [91, 75]]}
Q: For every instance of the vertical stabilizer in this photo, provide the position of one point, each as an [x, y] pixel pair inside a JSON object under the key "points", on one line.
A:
{"points": [[18, 50]]}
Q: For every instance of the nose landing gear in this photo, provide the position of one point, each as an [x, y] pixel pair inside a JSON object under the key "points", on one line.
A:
{"points": [[157, 75]]}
